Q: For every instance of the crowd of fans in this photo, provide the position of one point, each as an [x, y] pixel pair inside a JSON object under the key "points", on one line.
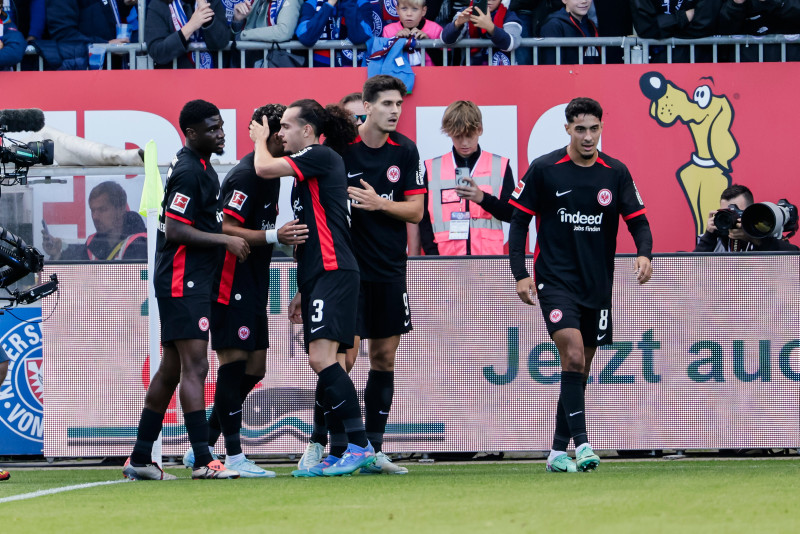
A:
{"points": [[62, 31]]}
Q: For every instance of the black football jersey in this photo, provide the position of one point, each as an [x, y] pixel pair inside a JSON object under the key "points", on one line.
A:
{"points": [[191, 196], [319, 200], [253, 201], [393, 170], [577, 213]]}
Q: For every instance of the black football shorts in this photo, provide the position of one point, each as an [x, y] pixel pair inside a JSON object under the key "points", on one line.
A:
{"points": [[561, 310], [383, 310], [184, 318], [328, 304], [237, 328]]}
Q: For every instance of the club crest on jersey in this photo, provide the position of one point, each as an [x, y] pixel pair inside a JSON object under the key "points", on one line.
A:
{"points": [[244, 333], [237, 200], [203, 324], [391, 7], [556, 315], [393, 174], [604, 197], [179, 203], [518, 190]]}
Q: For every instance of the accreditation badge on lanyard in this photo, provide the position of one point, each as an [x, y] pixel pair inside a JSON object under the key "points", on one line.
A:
{"points": [[459, 225]]}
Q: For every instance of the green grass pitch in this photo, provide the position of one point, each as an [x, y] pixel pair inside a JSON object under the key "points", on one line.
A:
{"points": [[652, 496]]}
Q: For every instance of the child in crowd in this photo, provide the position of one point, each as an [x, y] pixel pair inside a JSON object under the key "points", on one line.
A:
{"points": [[413, 23]]}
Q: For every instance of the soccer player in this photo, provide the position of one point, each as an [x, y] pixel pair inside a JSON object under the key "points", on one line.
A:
{"points": [[188, 247], [327, 272], [387, 190], [239, 332], [577, 194]]}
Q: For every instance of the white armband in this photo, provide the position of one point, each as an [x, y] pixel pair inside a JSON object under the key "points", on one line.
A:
{"points": [[272, 236]]}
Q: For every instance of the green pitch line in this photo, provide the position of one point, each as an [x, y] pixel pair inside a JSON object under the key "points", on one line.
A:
{"points": [[642, 497]]}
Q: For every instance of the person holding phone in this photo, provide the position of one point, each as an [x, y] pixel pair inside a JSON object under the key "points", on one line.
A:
{"points": [[493, 22], [464, 214]]}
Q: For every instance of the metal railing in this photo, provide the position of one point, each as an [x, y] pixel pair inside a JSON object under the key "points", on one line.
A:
{"points": [[634, 50]]}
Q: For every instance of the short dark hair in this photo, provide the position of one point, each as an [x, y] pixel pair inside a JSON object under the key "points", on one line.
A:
{"points": [[735, 190], [194, 112], [115, 193], [352, 97], [382, 82], [273, 113], [583, 106]]}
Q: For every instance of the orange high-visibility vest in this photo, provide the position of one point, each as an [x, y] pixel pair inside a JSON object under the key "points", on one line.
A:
{"points": [[485, 232]]}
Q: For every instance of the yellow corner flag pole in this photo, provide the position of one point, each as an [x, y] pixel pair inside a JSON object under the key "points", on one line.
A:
{"points": [[149, 207]]}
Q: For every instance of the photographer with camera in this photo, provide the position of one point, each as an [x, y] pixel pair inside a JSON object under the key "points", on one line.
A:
{"points": [[764, 224]]}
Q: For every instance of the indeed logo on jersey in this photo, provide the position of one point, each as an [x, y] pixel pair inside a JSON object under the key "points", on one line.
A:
{"points": [[582, 222]]}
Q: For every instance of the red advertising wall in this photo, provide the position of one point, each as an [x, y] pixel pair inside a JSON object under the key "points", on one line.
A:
{"points": [[711, 124]]}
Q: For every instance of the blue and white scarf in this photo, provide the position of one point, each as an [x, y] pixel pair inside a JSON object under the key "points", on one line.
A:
{"points": [[179, 19]]}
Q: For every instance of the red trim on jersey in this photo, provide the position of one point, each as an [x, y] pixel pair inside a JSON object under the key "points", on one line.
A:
{"points": [[389, 141], [234, 215], [634, 214], [565, 159], [603, 163], [327, 249], [536, 254], [415, 192], [178, 270], [356, 140], [295, 167], [520, 206], [226, 280], [204, 163], [178, 218]]}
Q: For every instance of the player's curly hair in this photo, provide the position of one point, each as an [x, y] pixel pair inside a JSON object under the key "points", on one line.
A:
{"points": [[194, 112], [332, 121], [583, 106], [273, 113]]}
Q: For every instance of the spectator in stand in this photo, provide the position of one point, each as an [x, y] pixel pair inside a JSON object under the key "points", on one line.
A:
{"points": [[173, 24], [348, 20], [614, 20], [12, 43], [413, 23], [531, 14], [271, 21], [499, 25], [76, 24], [761, 17], [664, 19], [30, 18], [572, 21]]}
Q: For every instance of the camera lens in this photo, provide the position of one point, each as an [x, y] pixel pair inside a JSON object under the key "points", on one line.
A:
{"points": [[724, 220]]}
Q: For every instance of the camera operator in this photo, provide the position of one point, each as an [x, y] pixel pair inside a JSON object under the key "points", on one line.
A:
{"points": [[736, 239]]}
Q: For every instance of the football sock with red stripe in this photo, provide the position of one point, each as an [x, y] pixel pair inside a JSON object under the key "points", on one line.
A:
{"points": [[146, 434], [343, 399], [378, 396]]}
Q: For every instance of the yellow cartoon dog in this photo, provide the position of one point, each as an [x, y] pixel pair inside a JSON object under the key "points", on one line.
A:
{"points": [[709, 118]]}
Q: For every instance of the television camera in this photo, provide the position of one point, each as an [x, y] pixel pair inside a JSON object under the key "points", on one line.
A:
{"points": [[21, 155]]}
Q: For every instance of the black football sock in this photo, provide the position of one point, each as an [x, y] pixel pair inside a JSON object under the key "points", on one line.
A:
{"points": [[146, 434], [377, 403], [574, 406], [214, 428], [319, 431], [338, 435], [561, 435], [249, 382], [197, 428], [342, 397], [228, 402]]}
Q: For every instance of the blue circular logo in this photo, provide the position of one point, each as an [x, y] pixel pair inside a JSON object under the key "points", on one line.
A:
{"points": [[22, 392]]}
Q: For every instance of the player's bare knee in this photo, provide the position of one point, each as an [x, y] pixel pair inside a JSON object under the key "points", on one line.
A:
{"points": [[382, 360]]}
